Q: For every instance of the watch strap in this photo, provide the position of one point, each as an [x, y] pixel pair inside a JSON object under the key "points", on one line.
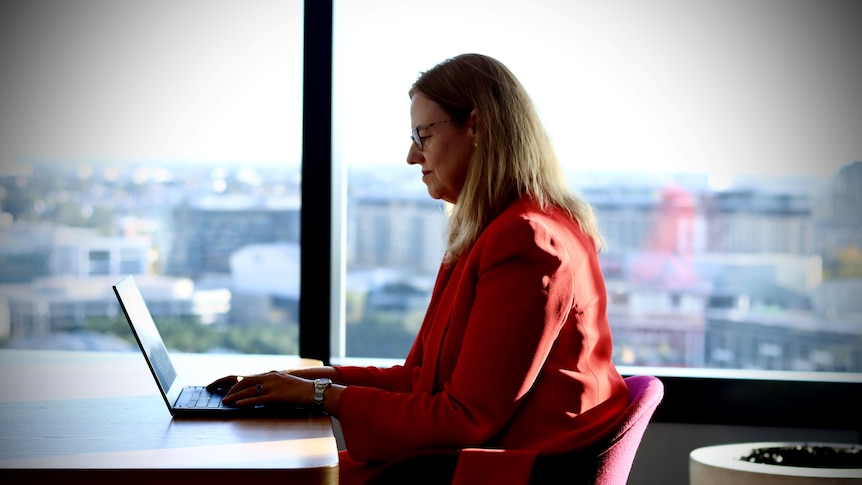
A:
{"points": [[320, 387]]}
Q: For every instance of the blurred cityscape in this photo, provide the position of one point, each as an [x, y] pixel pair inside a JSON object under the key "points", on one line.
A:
{"points": [[760, 274]]}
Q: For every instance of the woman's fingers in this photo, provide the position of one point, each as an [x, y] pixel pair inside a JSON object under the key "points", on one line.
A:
{"points": [[223, 385], [249, 391], [271, 387]]}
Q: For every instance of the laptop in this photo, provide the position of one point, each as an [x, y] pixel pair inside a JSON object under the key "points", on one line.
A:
{"points": [[182, 398]]}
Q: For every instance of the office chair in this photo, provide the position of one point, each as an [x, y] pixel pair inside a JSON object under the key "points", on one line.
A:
{"points": [[605, 462]]}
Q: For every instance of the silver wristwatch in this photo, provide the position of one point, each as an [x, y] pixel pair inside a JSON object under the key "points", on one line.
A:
{"points": [[320, 386]]}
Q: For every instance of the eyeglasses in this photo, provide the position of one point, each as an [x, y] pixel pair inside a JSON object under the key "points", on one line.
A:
{"points": [[419, 140]]}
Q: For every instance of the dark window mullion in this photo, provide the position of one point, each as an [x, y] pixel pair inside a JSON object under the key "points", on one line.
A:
{"points": [[316, 212]]}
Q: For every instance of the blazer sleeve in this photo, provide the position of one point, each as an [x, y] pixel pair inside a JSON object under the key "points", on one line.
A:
{"points": [[386, 378], [514, 295]]}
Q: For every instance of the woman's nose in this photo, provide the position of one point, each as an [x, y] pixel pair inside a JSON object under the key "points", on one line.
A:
{"points": [[413, 154]]}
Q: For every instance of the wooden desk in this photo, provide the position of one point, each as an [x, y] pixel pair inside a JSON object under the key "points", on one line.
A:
{"points": [[97, 417]]}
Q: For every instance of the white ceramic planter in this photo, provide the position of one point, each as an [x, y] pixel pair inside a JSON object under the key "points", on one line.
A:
{"points": [[721, 465]]}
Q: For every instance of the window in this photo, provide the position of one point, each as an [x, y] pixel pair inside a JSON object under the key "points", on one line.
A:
{"points": [[670, 113], [158, 139], [693, 129], [683, 92], [100, 263]]}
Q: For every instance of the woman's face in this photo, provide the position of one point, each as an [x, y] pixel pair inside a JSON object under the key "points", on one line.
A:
{"points": [[446, 148]]}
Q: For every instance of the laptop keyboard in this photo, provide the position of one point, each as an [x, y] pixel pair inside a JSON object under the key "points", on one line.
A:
{"points": [[198, 397]]}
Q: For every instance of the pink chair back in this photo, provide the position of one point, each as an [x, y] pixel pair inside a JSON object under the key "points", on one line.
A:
{"points": [[606, 462], [615, 461]]}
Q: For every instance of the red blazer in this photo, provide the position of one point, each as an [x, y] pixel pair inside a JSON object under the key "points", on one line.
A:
{"points": [[514, 352]]}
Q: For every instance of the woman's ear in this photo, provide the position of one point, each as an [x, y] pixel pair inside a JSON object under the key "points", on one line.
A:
{"points": [[473, 123]]}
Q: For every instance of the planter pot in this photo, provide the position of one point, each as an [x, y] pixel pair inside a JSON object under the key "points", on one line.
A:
{"points": [[728, 464]]}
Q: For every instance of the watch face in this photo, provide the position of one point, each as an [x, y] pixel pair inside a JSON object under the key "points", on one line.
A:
{"points": [[320, 386]]}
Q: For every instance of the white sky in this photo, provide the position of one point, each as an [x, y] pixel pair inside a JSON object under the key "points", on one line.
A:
{"points": [[763, 86]]}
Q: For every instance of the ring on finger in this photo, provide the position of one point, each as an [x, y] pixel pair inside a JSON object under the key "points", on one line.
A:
{"points": [[259, 388]]}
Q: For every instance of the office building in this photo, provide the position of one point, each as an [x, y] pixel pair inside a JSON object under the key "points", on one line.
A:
{"points": [[208, 229]]}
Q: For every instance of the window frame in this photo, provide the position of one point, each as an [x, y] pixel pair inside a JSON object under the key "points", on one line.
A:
{"points": [[692, 396]]}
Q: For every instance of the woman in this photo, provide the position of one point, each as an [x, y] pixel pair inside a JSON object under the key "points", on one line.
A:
{"points": [[515, 349]]}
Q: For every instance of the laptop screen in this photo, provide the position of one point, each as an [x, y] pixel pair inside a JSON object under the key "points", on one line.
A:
{"points": [[146, 332]]}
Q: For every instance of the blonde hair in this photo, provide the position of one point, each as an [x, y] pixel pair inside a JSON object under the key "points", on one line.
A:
{"points": [[513, 156]]}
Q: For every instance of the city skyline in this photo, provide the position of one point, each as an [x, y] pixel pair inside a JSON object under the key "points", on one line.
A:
{"points": [[683, 266]]}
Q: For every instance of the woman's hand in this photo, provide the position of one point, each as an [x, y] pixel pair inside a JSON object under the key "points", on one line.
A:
{"points": [[223, 385], [273, 387]]}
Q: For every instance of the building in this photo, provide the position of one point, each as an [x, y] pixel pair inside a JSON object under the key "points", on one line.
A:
{"points": [[65, 304], [82, 253], [25, 250], [265, 284], [208, 229], [377, 226], [83, 267]]}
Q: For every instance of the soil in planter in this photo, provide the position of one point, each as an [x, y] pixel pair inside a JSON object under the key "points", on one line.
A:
{"points": [[809, 456]]}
